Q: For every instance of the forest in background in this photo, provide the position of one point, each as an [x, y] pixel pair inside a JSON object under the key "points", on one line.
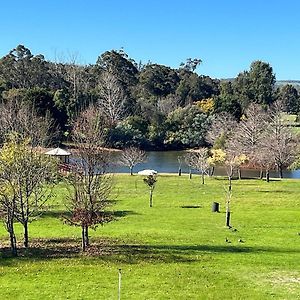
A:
{"points": [[149, 106]]}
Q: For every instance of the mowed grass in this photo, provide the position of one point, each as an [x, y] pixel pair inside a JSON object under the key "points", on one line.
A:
{"points": [[174, 250]]}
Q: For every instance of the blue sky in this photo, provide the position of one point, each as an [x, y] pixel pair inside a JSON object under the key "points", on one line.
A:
{"points": [[227, 35]]}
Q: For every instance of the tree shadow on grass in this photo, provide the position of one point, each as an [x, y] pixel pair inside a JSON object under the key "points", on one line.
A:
{"points": [[61, 214], [115, 251]]}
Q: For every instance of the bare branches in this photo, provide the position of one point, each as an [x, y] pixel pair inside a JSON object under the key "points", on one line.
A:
{"points": [[222, 127], [250, 132], [132, 156], [90, 182], [198, 160], [111, 98], [19, 120]]}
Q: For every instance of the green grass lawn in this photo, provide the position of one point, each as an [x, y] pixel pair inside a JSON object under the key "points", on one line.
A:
{"points": [[174, 250]]}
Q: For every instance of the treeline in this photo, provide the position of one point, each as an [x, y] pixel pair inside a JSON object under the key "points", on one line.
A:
{"points": [[150, 106]]}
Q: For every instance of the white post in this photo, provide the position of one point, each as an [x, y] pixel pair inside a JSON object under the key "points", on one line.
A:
{"points": [[119, 289]]}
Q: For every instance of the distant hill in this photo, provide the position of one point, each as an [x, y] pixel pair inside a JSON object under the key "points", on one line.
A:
{"points": [[291, 82], [295, 83]]}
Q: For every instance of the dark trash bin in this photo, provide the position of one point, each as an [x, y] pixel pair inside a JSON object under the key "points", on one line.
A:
{"points": [[215, 207]]}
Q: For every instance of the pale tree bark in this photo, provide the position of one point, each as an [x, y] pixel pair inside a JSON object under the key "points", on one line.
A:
{"points": [[111, 98], [198, 160], [280, 142], [132, 156]]}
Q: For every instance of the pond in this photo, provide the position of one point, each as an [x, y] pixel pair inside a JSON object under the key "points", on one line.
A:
{"points": [[167, 162]]}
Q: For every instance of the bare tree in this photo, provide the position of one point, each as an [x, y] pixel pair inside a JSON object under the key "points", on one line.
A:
{"points": [[111, 97], [132, 156], [233, 160], [198, 160], [264, 161], [90, 181], [250, 131], [280, 141], [168, 104], [222, 127], [21, 121], [249, 134], [180, 160]]}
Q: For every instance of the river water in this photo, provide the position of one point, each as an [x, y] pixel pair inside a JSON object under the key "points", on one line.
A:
{"points": [[167, 162]]}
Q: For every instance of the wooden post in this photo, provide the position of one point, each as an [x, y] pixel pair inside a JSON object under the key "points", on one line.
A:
{"points": [[119, 286]]}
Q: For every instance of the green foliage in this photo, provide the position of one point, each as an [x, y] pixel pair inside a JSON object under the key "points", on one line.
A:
{"points": [[227, 101], [170, 250], [151, 92], [126, 134], [256, 85], [193, 87], [118, 63], [158, 80], [187, 127], [289, 97]]}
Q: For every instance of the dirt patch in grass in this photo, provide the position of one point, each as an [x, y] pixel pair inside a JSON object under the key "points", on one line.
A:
{"points": [[285, 279]]}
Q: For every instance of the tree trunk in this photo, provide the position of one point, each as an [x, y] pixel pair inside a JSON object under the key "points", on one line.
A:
{"points": [[280, 169], [267, 175], [83, 244], [190, 174], [212, 171], [229, 181], [26, 243], [131, 172], [151, 192], [87, 240], [227, 218], [227, 215], [202, 176], [12, 236], [179, 172], [261, 174], [239, 173], [13, 243]]}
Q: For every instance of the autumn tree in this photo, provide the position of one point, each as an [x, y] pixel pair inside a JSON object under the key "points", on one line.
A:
{"points": [[26, 171], [90, 182], [7, 208], [132, 156]]}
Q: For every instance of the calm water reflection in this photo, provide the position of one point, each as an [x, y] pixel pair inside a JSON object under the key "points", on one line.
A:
{"points": [[167, 162]]}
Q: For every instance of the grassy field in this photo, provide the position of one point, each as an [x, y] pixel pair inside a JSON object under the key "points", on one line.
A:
{"points": [[175, 250]]}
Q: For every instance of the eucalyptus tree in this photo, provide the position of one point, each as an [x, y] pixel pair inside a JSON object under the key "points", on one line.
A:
{"points": [[112, 98]]}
